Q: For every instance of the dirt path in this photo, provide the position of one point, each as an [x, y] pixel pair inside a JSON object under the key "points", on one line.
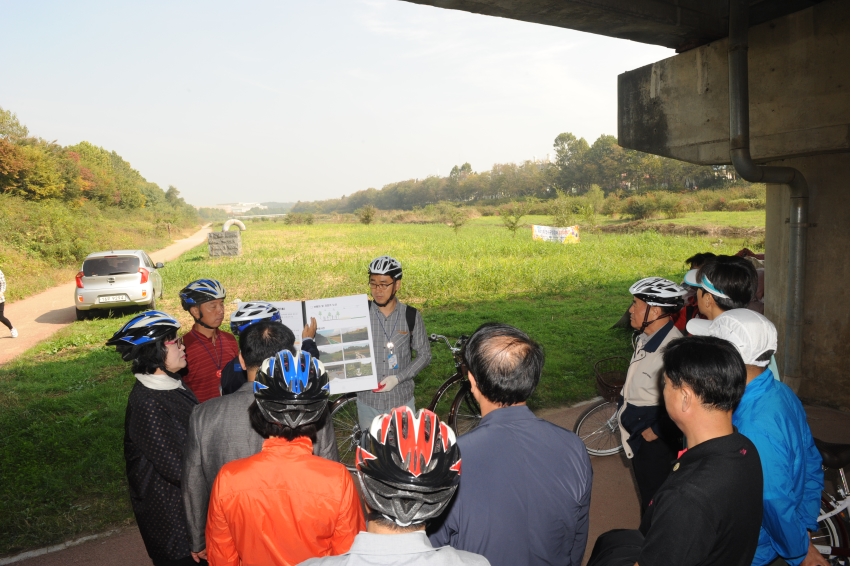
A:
{"points": [[40, 316], [614, 501]]}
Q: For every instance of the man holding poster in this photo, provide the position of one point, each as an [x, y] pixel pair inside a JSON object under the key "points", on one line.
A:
{"points": [[394, 339]]}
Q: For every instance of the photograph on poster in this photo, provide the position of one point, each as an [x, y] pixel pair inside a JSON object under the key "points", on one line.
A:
{"points": [[358, 369], [336, 372], [331, 353], [355, 334], [359, 351], [329, 336]]}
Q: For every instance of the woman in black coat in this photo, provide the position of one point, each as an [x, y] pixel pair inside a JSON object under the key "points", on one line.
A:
{"points": [[155, 427]]}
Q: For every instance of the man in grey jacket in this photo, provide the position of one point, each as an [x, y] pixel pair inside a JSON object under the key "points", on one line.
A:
{"points": [[220, 430]]}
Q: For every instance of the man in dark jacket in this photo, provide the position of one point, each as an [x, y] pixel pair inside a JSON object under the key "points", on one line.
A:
{"points": [[525, 490]]}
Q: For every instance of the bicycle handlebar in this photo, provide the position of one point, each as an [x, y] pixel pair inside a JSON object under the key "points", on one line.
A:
{"points": [[456, 349]]}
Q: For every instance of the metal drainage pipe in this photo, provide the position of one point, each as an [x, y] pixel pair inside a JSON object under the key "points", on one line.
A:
{"points": [[740, 155]]}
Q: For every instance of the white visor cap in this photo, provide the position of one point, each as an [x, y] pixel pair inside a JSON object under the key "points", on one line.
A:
{"points": [[750, 332]]}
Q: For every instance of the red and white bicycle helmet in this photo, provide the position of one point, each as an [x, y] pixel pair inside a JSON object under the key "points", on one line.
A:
{"points": [[408, 466], [386, 265]]}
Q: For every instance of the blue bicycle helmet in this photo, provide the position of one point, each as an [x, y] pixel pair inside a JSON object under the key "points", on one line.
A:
{"points": [[200, 292], [291, 390], [252, 313], [143, 329]]}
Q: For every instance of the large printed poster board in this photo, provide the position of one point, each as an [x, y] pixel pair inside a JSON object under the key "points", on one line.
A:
{"points": [[343, 336], [566, 235]]}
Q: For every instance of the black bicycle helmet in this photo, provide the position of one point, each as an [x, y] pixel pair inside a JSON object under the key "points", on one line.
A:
{"points": [[291, 390], [142, 329], [658, 292], [200, 292], [408, 466], [252, 313], [386, 265]]}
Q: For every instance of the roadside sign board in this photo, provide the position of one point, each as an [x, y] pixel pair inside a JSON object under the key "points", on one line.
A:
{"points": [[566, 235]]}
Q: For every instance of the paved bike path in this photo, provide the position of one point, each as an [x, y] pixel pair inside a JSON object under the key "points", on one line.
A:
{"points": [[38, 317], [614, 500]]}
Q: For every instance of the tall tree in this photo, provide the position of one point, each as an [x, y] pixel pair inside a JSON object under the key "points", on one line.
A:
{"points": [[10, 127], [571, 154]]}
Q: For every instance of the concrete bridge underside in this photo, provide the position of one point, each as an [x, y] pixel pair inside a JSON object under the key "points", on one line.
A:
{"points": [[798, 79]]}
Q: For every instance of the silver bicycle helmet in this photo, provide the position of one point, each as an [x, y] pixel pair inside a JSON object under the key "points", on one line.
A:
{"points": [[408, 466], [658, 292], [201, 291], [252, 313], [386, 265]]}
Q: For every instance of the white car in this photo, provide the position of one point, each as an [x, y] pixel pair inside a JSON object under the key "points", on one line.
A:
{"points": [[118, 278]]}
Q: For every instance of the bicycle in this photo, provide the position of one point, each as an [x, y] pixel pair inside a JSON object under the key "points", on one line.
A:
{"points": [[831, 538], [463, 414], [597, 426]]}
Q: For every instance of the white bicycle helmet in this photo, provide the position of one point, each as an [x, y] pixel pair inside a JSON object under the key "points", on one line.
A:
{"points": [[252, 313], [658, 292], [386, 265]]}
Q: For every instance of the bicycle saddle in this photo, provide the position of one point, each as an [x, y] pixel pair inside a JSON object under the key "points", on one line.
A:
{"points": [[833, 456]]}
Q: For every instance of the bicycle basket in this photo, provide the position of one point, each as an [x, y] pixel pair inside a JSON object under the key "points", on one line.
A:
{"points": [[611, 374]]}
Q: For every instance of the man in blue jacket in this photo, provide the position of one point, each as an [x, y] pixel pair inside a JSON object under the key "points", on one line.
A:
{"points": [[772, 417]]}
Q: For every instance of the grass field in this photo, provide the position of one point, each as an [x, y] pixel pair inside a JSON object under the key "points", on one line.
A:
{"points": [[62, 403]]}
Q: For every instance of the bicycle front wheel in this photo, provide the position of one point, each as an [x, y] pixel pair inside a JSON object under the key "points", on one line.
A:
{"points": [[465, 413], [598, 428], [344, 415], [441, 403]]}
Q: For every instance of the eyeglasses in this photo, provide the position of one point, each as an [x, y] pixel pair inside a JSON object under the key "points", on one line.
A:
{"points": [[178, 341], [380, 286]]}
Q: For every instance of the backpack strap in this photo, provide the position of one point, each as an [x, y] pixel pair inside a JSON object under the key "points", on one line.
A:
{"points": [[410, 318]]}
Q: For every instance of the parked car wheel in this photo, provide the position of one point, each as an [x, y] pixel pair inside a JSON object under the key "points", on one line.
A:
{"points": [[82, 315]]}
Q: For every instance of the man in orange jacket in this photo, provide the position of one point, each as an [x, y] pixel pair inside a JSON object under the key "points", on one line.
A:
{"points": [[283, 505]]}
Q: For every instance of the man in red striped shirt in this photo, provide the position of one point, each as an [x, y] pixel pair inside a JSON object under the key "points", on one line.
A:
{"points": [[208, 349]]}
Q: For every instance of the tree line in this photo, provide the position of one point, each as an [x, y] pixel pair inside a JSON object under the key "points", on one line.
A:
{"points": [[577, 167], [35, 169]]}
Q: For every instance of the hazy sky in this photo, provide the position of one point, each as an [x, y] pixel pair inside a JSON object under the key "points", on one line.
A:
{"points": [[303, 99]]}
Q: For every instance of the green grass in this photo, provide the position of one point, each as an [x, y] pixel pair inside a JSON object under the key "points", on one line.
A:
{"points": [[62, 403]]}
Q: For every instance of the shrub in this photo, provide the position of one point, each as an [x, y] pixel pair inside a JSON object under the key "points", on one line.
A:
{"points": [[640, 207], [299, 218], [366, 214], [562, 209], [454, 217], [511, 214]]}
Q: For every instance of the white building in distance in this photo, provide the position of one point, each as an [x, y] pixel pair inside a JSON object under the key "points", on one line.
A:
{"points": [[238, 207]]}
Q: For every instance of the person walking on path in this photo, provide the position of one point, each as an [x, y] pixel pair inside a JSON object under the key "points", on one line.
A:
{"points": [[3, 318]]}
